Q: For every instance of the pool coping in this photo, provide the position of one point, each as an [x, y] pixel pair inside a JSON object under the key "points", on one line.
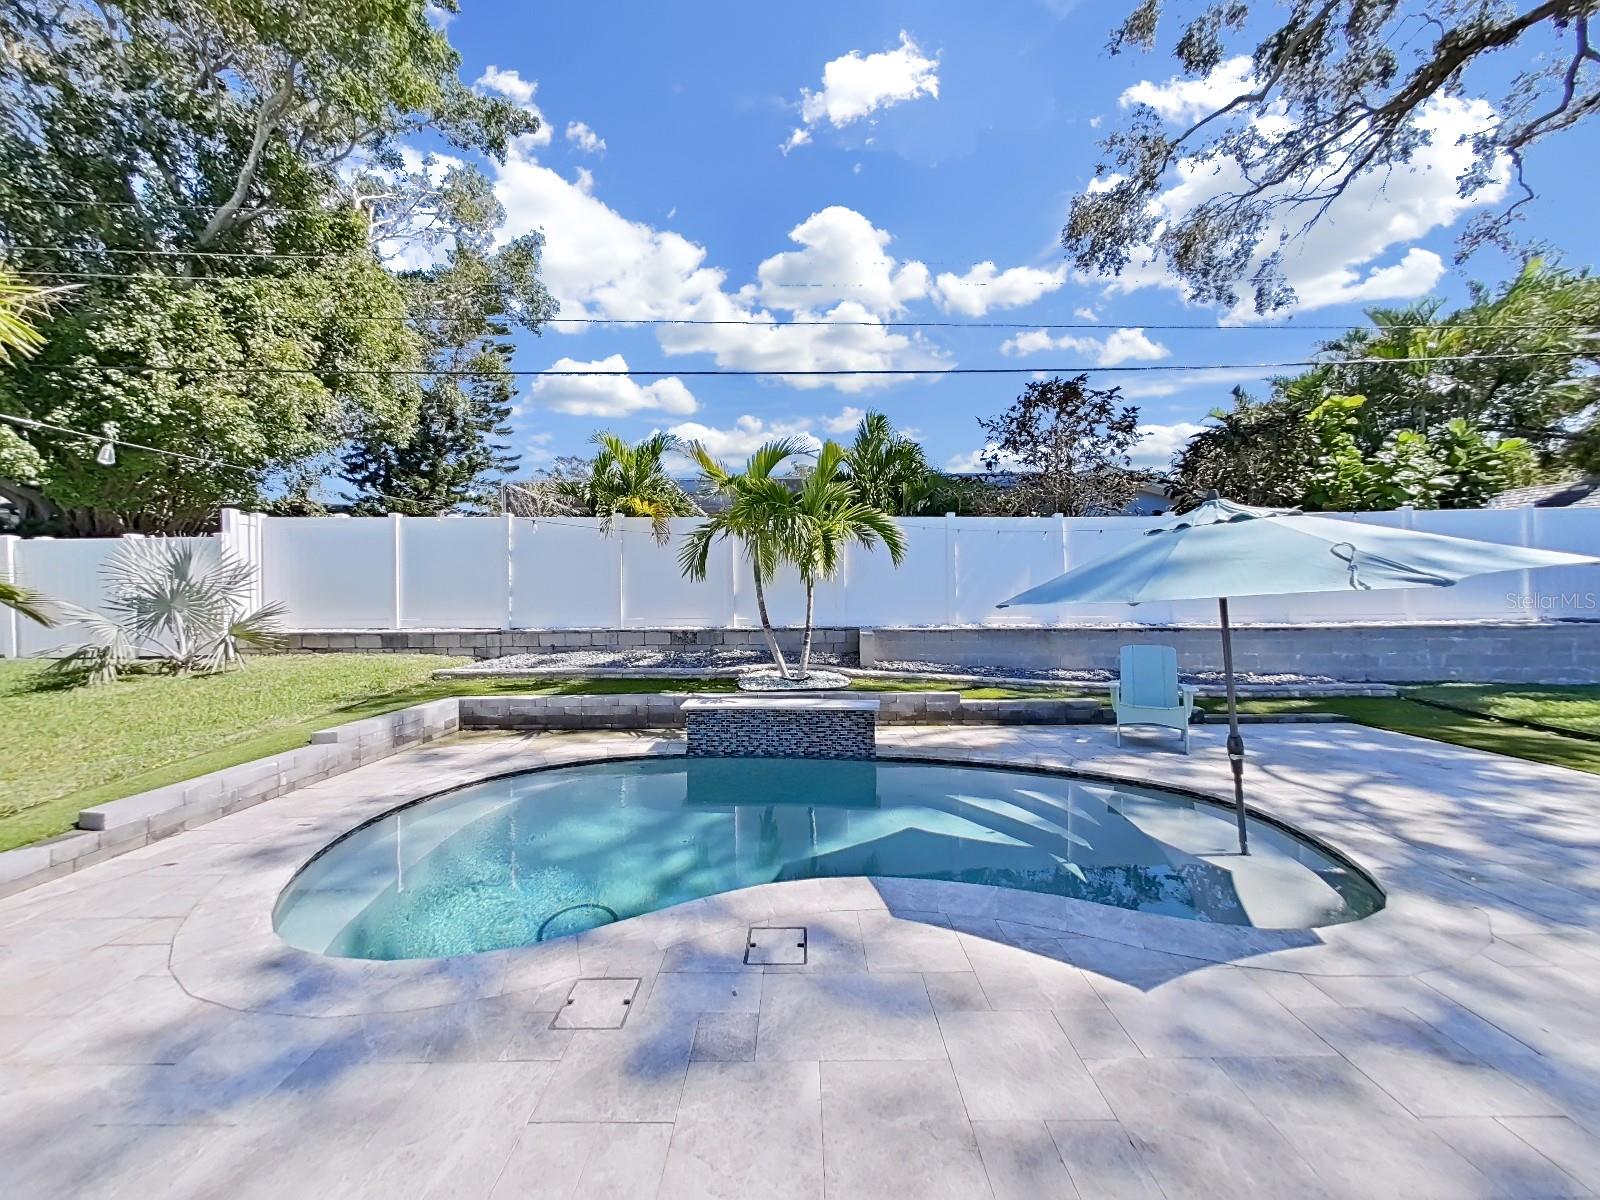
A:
{"points": [[227, 952]]}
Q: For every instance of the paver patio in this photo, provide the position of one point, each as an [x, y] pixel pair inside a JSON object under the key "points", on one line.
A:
{"points": [[157, 1040]]}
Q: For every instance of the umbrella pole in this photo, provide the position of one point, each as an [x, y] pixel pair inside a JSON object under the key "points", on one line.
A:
{"points": [[1235, 741]]}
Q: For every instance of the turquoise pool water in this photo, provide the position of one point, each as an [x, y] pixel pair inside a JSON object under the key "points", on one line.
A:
{"points": [[522, 859]]}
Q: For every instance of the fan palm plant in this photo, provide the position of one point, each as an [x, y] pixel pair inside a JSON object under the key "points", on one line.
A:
{"points": [[759, 513], [172, 603], [830, 513], [630, 480]]}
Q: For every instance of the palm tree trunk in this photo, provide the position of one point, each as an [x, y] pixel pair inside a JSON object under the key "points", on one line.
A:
{"points": [[805, 641], [766, 627]]}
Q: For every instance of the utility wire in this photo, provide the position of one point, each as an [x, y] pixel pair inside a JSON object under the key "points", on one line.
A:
{"points": [[658, 373], [254, 472], [1165, 327]]}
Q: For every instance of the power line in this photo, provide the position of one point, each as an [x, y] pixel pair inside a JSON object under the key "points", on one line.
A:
{"points": [[657, 373], [253, 472], [1161, 327]]}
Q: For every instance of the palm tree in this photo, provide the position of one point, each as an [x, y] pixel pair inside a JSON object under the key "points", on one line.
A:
{"points": [[629, 480], [831, 512], [808, 528], [20, 303], [888, 469], [759, 514]]}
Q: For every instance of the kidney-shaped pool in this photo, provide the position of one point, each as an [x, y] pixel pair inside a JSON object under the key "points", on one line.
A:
{"points": [[524, 858]]}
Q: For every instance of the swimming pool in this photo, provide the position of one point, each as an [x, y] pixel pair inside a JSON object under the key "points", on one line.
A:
{"points": [[525, 858]]}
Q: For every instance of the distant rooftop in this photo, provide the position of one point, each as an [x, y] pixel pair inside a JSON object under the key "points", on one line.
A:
{"points": [[1583, 492]]}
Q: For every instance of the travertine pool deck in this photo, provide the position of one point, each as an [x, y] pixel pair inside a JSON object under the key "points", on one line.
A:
{"points": [[156, 1039]]}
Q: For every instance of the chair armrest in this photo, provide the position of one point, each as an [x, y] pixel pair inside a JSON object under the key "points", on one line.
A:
{"points": [[1116, 694], [1187, 693]]}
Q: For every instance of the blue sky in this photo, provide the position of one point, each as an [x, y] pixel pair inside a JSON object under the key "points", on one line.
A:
{"points": [[881, 162]]}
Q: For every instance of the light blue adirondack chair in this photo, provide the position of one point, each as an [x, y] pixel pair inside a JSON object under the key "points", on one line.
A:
{"points": [[1148, 692]]}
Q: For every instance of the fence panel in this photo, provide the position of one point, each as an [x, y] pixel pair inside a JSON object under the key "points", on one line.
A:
{"points": [[453, 572], [915, 594], [1563, 592], [564, 575], [330, 572], [656, 594], [993, 558]]}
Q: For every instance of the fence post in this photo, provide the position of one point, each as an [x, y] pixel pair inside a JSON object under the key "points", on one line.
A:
{"points": [[10, 621], [511, 569], [399, 587], [622, 572], [952, 561]]}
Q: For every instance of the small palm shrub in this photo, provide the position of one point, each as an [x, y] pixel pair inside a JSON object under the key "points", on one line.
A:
{"points": [[171, 604]]}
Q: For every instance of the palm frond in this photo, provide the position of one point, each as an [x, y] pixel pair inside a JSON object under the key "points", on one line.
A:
{"points": [[28, 602], [106, 654], [260, 631]]}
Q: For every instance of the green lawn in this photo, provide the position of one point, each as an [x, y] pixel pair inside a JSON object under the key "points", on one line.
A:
{"points": [[1420, 720], [65, 750], [1560, 708]]}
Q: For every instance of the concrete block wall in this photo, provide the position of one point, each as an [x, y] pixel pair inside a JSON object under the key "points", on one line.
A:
{"points": [[663, 711], [1548, 652], [495, 643]]}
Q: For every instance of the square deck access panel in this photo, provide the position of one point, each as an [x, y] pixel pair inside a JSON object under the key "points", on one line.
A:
{"points": [[597, 1004], [783, 946]]}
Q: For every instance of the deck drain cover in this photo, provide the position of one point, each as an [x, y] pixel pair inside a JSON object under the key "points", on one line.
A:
{"points": [[597, 1004], [782, 946]]}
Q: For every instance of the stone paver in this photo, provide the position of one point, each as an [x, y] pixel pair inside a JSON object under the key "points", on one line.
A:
{"points": [[941, 1039]]}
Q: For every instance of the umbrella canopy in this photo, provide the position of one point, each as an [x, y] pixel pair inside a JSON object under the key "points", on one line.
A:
{"points": [[1228, 549], [1223, 549]]}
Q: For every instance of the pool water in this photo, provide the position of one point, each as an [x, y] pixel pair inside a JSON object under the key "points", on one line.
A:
{"points": [[513, 861]]}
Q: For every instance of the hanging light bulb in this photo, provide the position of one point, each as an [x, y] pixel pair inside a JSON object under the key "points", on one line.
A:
{"points": [[107, 457]]}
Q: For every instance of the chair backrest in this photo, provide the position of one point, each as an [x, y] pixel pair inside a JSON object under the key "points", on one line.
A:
{"points": [[1150, 676]]}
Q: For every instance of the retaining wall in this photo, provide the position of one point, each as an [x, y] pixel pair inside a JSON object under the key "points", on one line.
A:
{"points": [[1550, 652], [118, 826], [495, 643]]}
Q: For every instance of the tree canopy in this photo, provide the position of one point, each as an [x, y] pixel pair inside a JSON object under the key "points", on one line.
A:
{"points": [[1066, 444], [1453, 406], [1336, 90], [218, 176]]}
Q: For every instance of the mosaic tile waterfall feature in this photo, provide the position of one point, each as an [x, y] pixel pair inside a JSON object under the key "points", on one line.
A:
{"points": [[789, 727]]}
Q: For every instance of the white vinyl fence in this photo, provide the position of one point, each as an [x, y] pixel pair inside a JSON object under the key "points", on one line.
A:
{"points": [[564, 573]]}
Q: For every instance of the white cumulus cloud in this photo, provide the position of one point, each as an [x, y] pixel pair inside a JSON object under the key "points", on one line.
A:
{"points": [[1120, 346], [856, 86], [609, 395], [985, 287], [842, 257], [584, 138], [520, 92], [745, 436], [1158, 444], [598, 263], [1187, 100]]}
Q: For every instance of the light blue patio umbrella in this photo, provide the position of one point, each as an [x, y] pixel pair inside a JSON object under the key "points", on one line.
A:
{"points": [[1223, 549]]}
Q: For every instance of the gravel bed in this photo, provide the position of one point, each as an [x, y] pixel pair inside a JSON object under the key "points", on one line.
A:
{"points": [[1064, 676], [721, 658]]}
